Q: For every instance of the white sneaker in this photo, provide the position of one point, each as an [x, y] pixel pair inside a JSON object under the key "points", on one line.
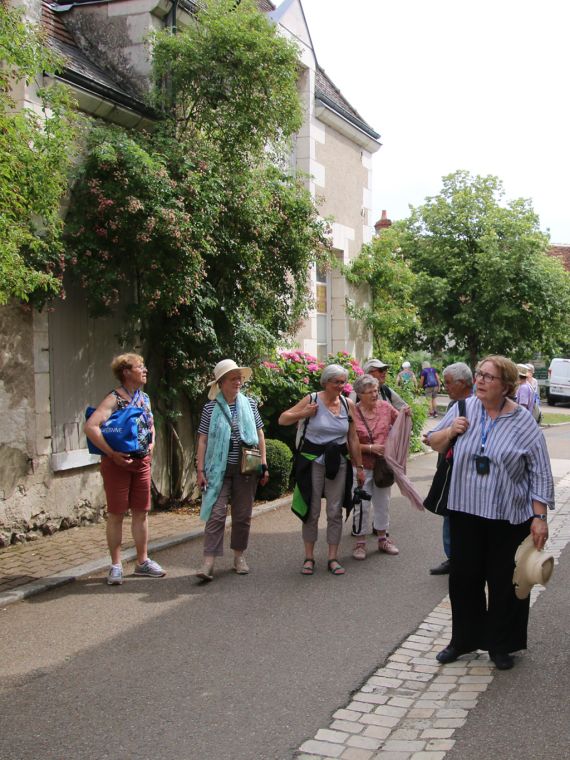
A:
{"points": [[115, 577], [149, 569], [359, 550], [386, 545]]}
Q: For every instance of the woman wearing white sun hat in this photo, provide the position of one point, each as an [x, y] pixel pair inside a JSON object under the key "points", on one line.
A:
{"points": [[229, 419], [407, 377]]}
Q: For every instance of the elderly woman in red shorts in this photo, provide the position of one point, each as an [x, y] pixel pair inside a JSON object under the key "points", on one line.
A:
{"points": [[126, 477]]}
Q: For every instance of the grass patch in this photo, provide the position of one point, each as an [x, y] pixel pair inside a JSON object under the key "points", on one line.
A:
{"points": [[549, 418]]}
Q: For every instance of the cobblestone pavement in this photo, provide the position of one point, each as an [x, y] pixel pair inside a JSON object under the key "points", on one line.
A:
{"points": [[22, 564], [411, 707], [29, 568]]}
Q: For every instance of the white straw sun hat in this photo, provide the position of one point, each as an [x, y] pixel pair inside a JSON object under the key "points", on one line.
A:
{"points": [[531, 567], [222, 368]]}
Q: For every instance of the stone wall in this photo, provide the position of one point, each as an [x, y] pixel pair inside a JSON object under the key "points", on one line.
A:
{"points": [[34, 499]]}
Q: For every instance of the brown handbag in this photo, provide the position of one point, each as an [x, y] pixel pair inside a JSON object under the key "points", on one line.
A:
{"points": [[250, 460], [382, 474]]}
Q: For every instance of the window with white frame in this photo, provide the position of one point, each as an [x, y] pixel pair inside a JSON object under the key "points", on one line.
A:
{"points": [[323, 309]]}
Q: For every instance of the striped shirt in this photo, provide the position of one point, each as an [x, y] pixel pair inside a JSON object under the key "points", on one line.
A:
{"points": [[204, 426], [519, 468]]}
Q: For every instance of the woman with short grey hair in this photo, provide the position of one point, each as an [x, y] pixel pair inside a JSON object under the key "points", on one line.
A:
{"points": [[332, 371], [373, 420], [321, 466]]}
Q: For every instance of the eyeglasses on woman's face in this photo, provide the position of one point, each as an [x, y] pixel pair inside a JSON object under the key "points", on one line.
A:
{"points": [[337, 381], [485, 376]]}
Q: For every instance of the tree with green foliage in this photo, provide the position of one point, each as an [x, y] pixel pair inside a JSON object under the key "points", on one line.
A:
{"points": [[200, 228], [36, 149], [214, 233], [484, 282], [392, 315]]}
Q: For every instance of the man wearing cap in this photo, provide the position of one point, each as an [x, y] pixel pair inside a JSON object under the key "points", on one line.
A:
{"points": [[378, 370]]}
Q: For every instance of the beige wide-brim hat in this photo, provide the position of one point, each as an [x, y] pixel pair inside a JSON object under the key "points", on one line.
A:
{"points": [[522, 369], [531, 567], [222, 368]]}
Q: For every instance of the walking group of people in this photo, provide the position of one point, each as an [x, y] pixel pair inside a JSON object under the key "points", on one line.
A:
{"points": [[501, 485]]}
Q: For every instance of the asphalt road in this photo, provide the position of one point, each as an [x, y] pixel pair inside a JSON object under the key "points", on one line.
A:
{"points": [[245, 667], [526, 716], [249, 667]]}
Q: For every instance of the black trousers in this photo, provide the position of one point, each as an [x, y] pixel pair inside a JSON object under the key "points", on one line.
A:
{"points": [[483, 553]]}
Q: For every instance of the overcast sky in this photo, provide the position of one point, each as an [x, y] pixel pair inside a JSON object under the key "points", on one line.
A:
{"points": [[456, 84]]}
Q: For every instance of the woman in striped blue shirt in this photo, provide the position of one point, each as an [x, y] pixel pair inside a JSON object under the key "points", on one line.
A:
{"points": [[500, 490]]}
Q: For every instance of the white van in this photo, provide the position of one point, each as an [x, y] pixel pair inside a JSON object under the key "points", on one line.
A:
{"points": [[558, 381]]}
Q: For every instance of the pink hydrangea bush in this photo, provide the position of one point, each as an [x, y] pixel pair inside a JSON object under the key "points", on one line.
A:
{"points": [[282, 380]]}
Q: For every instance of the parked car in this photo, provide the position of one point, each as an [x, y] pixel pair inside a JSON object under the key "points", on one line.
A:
{"points": [[558, 381]]}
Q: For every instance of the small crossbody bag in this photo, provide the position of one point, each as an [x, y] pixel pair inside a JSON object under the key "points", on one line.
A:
{"points": [[383, 475], [250, 456]]}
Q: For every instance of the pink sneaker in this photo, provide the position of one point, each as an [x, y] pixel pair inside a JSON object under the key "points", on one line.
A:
{"points": [[385, 545], [359, 551]]}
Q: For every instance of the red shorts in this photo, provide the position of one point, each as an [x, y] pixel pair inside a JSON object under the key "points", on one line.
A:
{"points": [[126, 487]]}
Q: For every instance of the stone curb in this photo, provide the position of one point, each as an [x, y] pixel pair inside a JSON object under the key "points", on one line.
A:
{"points": [[94, 566], [411, 707]]}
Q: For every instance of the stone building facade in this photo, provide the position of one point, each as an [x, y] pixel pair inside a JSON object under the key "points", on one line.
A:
{"points": [[52, 364]]}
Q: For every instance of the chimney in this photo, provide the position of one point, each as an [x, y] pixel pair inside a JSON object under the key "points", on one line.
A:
{"points": [[383, 223]]}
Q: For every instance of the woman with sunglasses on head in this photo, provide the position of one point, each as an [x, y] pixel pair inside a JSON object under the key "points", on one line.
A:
{"points": [[126, 477], [501, 487], [321, 467]]}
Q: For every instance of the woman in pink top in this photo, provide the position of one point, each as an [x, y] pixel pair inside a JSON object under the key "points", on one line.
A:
{"points": [[373, 420]]}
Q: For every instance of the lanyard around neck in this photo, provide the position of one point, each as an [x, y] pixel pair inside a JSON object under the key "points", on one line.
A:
{"points": [[137, 400], [135, 397], [486, 431]]}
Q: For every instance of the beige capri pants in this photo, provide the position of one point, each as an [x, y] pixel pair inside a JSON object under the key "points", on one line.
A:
{"points": [[334, 495]]}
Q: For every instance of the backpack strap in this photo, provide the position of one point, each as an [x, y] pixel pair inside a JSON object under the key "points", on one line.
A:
{"points": [[344, 402], [312, 400]]}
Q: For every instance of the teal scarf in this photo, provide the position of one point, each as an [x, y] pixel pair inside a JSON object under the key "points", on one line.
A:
{"points": [[217, 450]]}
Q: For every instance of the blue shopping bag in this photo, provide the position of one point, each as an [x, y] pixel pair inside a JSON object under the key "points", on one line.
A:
{"points": [[120, 430]]}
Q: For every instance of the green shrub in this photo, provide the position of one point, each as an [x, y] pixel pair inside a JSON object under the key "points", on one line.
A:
{"points": [[279, 463]]}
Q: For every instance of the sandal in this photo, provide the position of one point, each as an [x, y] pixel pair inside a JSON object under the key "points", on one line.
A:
{"points": [[308, 567], [335, 567]]}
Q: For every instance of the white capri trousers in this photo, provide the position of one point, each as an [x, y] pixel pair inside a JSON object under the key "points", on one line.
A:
{"points": [[379, 505]]}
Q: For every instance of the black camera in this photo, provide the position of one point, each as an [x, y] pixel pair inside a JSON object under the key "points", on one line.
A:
{"points": [[482, 465], [360, 495]]}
